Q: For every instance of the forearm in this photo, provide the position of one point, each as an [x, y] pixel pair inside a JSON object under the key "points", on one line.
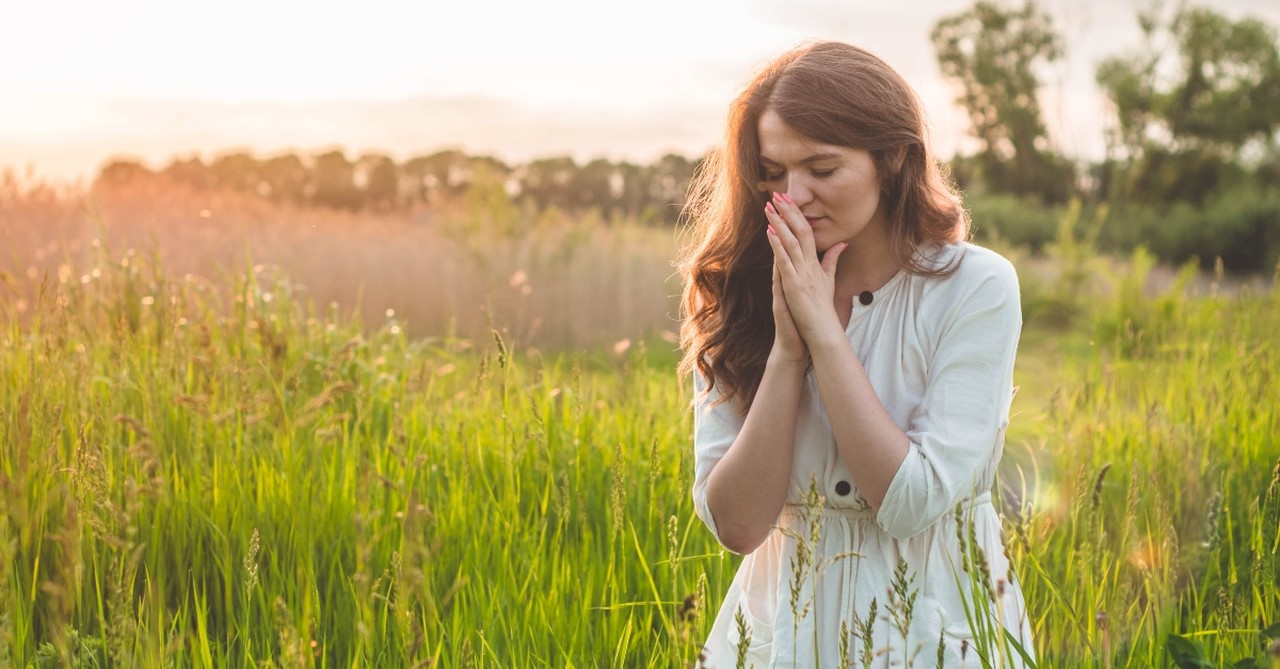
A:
{"points": [[869, 442], [747, 488]]}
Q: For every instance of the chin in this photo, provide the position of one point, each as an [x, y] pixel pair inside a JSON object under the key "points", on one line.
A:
{"points": [[821, 245]]}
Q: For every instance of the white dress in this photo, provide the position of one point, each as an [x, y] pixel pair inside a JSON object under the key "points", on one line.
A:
{"points": [[939, 353]]}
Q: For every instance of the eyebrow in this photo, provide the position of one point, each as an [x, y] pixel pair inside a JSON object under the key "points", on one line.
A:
{"points": [[817, 157]]}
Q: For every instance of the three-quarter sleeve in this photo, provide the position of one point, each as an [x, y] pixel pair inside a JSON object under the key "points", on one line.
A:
{"points": [[956, 430], [715, 425]]}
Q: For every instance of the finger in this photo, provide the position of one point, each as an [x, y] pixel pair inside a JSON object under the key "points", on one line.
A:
{"points": [[832, 257], [781, 258], [784, 234], [795, 219], [780, 305]]}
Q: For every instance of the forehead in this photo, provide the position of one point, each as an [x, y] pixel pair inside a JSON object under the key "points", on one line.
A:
{"points": [[780, 143]]}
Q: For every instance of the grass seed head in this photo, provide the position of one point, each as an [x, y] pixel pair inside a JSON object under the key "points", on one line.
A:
{"points": [[744, 638], [251, 563]]}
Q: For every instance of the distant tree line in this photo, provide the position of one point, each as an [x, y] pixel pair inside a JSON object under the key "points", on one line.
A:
{"points": [[1196, 108], [653, 192], [1192, 166]]}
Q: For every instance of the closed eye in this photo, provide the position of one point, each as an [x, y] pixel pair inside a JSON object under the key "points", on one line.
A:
{"points": [[775, 176]]}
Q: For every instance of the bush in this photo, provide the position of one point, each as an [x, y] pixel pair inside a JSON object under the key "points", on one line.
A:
{"points": [[1241, 226], [1013, 221]]}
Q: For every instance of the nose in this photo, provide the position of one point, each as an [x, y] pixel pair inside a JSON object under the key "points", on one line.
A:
{"points": [[797, 189]]}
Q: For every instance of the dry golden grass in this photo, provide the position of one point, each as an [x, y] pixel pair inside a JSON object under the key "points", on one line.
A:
{"points": [[548, 279]]}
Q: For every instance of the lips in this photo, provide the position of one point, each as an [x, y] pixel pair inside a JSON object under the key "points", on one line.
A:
{"points": [[814, 219]]}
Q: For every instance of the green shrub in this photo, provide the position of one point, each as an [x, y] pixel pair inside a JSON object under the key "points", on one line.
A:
{"points": [[1241, 226], [1013, 221]]}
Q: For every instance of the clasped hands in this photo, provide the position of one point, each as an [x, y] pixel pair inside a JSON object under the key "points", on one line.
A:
{"points": [[803, 285]]}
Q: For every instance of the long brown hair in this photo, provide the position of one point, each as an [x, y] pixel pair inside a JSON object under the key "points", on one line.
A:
{"points": [[836, 94]]}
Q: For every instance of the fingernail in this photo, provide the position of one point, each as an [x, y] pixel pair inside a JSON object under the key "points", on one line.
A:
{"points": [[787, 198], [777, 197], [771, 230], [769, 206]]}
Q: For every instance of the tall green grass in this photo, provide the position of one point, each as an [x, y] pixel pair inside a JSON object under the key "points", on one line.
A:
{"points": [[213, 473], [1154, 509], [198, 478]]}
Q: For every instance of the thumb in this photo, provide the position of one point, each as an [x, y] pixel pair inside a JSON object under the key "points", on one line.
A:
{"points": [[831, 257]]}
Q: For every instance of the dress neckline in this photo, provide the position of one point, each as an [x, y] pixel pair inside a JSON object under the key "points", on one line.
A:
{"points": [[879, 293]]}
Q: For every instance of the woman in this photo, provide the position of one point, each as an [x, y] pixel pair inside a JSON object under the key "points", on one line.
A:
{"points": [[852, 359]]}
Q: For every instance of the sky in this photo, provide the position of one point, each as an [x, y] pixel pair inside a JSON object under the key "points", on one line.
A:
{"points": [[82, 81]]}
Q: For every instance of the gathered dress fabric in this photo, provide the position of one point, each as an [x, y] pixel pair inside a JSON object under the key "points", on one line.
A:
{"points": [[939, 353]]}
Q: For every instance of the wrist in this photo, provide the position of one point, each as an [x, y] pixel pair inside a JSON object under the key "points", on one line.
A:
{"points": [[825, 335], [829, 341], [783, 360]]}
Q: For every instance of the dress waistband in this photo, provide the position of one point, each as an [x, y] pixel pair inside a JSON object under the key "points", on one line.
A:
{"points": [[868, 513]]}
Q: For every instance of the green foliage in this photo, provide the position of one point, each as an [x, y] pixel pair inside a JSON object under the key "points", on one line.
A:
{"points": [[1009, 220], [1240, 226], [994, 52], [1187, 654], [1190, 654], [1182, 137], [1060, 291]]}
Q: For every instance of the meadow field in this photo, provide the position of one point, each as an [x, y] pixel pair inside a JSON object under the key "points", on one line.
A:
{"points": [[241, 435]]}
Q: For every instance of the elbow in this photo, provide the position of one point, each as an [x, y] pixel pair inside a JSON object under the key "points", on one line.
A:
{"points": [[903, 521], [735, 536], [739, 530], [917, 497], [740, 539], [902, 530]]}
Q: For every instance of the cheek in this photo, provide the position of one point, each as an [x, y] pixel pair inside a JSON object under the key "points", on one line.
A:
{"points": [[859, 198], [869, 195]]}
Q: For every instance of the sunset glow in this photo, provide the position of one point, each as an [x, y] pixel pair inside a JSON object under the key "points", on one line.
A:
{"points": [[151, 79]]}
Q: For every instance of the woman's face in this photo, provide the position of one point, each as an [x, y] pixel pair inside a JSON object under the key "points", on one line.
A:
{"points": [[836, 187]]}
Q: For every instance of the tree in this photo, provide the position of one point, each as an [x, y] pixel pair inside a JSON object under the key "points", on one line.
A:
{"points": [[597, 184], [633, 182], [285, 178], [443, 174], [993, 52], [420, 183], [655, 192], [191, 171], [669, 182], [548, 182], [379, 178], [236, 171], [122, 172], [334, 181], [1184, 135]]}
